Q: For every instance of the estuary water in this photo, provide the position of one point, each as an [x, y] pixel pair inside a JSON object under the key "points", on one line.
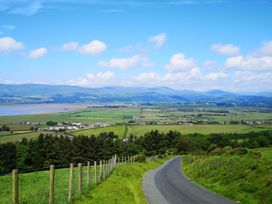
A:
{"points": [[27, 109]]}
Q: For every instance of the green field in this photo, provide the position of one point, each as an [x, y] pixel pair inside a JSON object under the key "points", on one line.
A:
{"points": [[114, 115], [140, 130], [120, 130], [266, 153], [34, 187], [123, 186], [19, 135], [245, 178]]}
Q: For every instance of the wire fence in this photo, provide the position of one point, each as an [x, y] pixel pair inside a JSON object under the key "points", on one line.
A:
{"points": [[57, 184]]}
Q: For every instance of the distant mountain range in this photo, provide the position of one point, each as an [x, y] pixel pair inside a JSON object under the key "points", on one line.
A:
{"points": [[37, 93]]}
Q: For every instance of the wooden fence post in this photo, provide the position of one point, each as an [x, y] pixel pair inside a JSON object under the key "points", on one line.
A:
{"points": [[100, 171], [15, 190], [80, 178], [103, 169], [51, 190], [70, 194], [88, 175], [95, 181], [115, 160], [106, 162]]}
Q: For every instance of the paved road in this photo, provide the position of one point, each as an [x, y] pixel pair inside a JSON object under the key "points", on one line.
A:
{"points": [[168, 185]]}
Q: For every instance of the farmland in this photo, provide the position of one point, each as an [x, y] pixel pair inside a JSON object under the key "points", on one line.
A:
{"points": [[140, 130], [137, 120], [90, 115], [19, 135]]}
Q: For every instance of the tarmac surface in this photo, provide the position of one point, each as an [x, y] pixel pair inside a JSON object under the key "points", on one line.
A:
{"points": [[168, 185]]}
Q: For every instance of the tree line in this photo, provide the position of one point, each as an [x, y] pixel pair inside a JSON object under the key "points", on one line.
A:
{"points": [[61, 150]]}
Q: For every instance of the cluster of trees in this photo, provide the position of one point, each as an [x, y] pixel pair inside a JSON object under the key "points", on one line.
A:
{"points": [[60, 150], [51, 123], [4, 128]]}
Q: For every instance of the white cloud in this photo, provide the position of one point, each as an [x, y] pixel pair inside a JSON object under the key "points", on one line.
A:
{"points": [[69, 46], [227, 49], [266, 49], [179, 62], [246, 78], [124, 63], [99, 79], [250, 63], [37, 53], [159, 40], [8, 44], [209, 64], [214, 76], [148, 77], [94, 47]]}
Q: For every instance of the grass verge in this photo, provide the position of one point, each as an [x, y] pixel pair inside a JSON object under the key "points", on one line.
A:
{"points": [[124, 186], [245, 178]]}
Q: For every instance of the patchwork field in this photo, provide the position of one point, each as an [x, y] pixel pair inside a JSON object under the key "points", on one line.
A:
{"points": [[90, 115], [140, 130], [138, 120]]}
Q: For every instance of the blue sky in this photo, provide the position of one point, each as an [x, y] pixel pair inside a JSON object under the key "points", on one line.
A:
{"points": [[184, 44]]}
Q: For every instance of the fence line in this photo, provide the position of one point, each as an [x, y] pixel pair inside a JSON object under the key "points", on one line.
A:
{"points": [[105, 169]]}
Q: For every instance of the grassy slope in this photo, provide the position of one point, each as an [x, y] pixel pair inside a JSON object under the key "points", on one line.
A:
{"points": [[140, 130], [241, 178], [124, 186], [18, 135], [34, 187]]}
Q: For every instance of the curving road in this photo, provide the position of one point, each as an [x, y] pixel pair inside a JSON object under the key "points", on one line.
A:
{"points": [[168, 185]]}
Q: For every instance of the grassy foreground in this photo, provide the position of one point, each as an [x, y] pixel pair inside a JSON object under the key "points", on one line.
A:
{"points": [[124, 186], [246, 178], [34, 187]]}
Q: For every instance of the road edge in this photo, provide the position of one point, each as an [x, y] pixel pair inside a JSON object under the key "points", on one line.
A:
{"points": [[149, 187]]}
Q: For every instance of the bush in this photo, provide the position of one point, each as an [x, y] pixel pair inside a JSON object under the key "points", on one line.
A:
{"points": [[140, 157]]}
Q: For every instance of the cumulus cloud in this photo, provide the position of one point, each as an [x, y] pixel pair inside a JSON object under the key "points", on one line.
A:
{"points": [[266, 49], [70, 46], [250, 63], [209, 64], [8, 44], [148, 77], [214, 76], [158, 40], [99, 79], [247, 76], [179, 62], [226, 49], [124, 63], [94, 47], [37, 53]]}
